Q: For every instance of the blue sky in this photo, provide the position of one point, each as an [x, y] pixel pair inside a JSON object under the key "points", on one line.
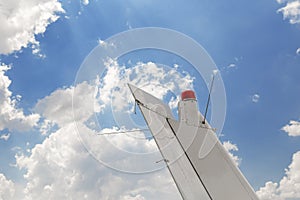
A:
{"points": [[254, 44]]}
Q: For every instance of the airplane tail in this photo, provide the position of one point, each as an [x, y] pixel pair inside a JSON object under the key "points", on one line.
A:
{"points": [[197, 161]]}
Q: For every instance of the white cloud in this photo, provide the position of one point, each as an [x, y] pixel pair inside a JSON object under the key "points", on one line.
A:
{"points": [[269, 192], [152, 78], [37, 51], [230, 148], [289, 185], [46, 126], [12, 117], [5, 136], [173, 103], [298, 51], [85, 2], [105, 44], [255, 98], [291, 10], [21, 20], [61, 168], [57, 107], [7, 188], [292, 129], [281, 1], [232, 65]]}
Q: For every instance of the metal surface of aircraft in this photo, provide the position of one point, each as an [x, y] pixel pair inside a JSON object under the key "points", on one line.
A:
{"points": [[197, 161]]}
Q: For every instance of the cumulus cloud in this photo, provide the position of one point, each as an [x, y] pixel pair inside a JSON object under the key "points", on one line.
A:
{"points": [[288, 187], [12, 117], [152, 78], [7, 188], [292, 129], [269, 192], [109, 91], [230, 148], [58, 108], [22, 20], [291, 10], [61, 167]]}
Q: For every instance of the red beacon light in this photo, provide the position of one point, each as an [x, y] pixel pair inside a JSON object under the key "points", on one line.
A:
{"points": [[187, 95]]}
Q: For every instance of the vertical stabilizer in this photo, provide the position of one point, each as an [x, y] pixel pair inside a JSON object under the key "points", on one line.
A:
{"points": [[197, 161]]}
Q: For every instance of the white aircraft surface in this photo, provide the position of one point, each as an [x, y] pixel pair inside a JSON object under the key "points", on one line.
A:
{"points": [[197, 161]]}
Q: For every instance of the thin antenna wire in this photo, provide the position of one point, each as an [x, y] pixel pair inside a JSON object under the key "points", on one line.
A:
{"points": [[208, 100], [117, 132]]}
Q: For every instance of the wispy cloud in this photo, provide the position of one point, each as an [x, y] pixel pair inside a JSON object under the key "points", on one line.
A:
{"points": [[85, 2], [105, 44], [128, 24], [298, 51], [5, 136], [255, 98], [232, 65]]}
